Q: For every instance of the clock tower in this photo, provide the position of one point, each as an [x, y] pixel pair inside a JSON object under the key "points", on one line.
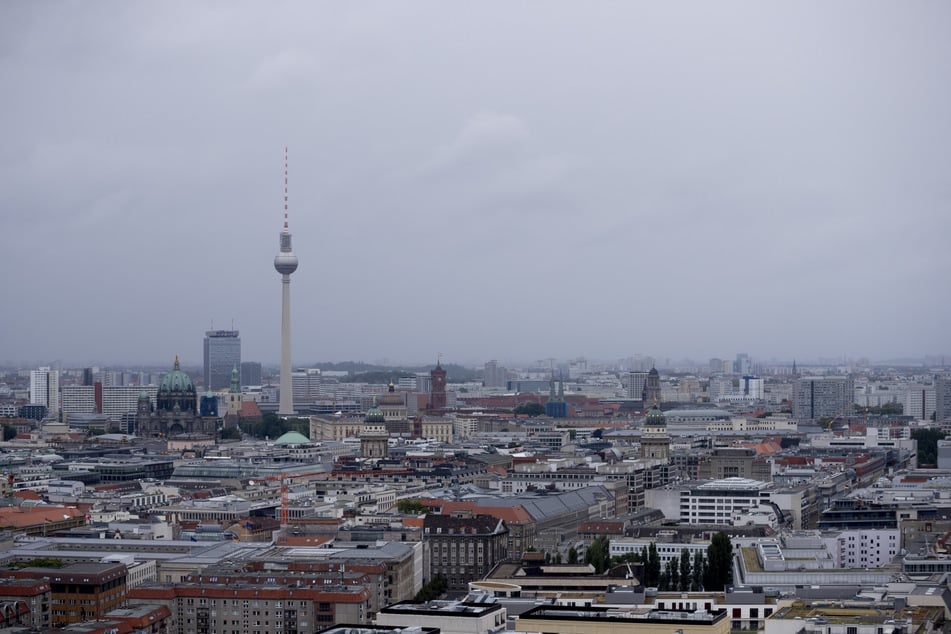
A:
{"points": [[437, 397]]}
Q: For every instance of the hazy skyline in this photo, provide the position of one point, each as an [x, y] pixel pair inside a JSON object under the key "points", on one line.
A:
{"points": [[490, 180]]}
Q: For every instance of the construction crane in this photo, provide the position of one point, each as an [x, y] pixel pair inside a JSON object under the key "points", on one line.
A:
{"points": [[285, 478]]}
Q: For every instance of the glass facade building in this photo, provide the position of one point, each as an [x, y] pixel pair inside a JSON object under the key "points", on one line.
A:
{"points": [[222, 355]]}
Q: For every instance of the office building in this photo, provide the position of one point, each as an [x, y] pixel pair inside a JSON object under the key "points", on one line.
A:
{"points": [[942, 393], [743, 364], [285, 262], [752, 387], [717, 501], [822, 397], [306, 385], [222, 355], [494, 375], [114, 402], [44, 390], [636, 382], [919, 401], [250, 373]]}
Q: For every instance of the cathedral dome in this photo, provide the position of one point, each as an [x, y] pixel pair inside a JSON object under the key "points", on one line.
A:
{"points": [[656, 418], [176, 381], [176, 390]]}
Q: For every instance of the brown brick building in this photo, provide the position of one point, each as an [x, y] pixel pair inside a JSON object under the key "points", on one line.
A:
{"points": [[464, 547], [81, 591]]}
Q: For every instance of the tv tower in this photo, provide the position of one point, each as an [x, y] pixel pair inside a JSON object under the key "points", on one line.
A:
{"points": [[286, 263]]}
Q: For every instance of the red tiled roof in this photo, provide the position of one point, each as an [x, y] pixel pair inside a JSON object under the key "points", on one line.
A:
{"points": [[20, 517], [249, 409]]}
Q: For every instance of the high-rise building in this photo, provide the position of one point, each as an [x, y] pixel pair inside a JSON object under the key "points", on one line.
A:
{"points": [[44, 389], [636, 381], [743, 364], [919, 401], [753, 387], [822, 397], [113, 401], [942, 397], [494, 375], [306, 385], [250, 373], [222, 355], [285, 262]]}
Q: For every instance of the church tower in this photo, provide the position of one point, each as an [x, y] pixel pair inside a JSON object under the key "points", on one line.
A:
{"points": [[651, 394], [655, 440], [374, 439], [437, 399]]}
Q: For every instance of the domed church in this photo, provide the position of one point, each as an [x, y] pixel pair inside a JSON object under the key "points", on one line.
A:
{"points": [[176, 409]]}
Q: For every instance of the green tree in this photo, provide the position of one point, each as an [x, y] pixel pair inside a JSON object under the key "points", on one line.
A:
{"points": [[9, 432], [39, 562], [411, 507], [572, 555], [685, 572], [231, 433], [432, 590], [699, 568], [529, 409], [652, 566], [927, 445], [719, 573], [672, 572], [599, 554]]}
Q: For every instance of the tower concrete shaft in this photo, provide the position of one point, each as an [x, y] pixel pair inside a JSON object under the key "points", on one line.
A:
{"points": [[286, 404]]}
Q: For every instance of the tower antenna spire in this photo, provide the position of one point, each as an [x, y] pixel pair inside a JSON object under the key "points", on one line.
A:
{"points": [[285, 190]]}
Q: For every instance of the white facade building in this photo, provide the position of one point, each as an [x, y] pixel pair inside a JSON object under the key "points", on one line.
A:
{"points": [[717, 502], [919, 401], [44, 389]]}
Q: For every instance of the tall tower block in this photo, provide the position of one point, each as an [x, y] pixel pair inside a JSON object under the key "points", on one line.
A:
{"points": [[285, 262]]}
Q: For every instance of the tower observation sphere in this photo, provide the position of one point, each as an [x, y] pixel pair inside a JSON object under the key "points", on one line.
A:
{"points": [[285, 262]]}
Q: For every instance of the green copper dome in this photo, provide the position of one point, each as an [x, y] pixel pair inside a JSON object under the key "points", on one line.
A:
{"points": [[655, 417], [176, 381], [293, 438], [375, 414]]}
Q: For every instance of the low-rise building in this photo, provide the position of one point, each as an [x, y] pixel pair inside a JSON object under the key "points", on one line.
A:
{"points": [[600, 620], [450, 617]]}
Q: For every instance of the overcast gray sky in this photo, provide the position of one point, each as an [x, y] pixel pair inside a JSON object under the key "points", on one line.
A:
{"points": [[511, 180]]}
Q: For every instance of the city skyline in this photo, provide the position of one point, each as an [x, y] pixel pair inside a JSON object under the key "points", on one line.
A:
{"points": [[582, 183]]}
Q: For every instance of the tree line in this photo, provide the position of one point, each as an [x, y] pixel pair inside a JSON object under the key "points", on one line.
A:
{"points": [[710, 570]]}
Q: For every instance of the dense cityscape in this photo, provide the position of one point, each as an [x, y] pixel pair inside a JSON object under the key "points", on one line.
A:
{"points": [[475, 318], [563, 496]]}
